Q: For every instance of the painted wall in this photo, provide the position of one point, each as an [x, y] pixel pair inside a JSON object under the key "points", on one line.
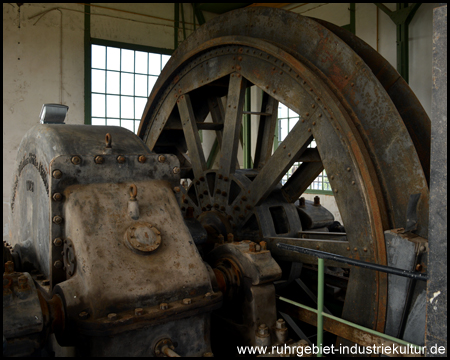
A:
{"points": [[34, 72]]}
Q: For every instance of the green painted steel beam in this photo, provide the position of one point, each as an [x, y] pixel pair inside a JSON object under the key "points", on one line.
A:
{"points": [[87, 64], [198, 13], [175, 28]]}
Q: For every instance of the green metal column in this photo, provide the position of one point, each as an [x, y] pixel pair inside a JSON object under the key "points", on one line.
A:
{"points": [[87, 64], [320, 296], [247, 138], [177, 20]]}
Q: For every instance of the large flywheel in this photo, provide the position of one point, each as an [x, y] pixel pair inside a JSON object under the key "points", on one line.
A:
{"points": [[373, 157]]}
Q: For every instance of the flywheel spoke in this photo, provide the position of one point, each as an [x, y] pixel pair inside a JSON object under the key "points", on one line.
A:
{"points": [[232, 124], [191, 135]]}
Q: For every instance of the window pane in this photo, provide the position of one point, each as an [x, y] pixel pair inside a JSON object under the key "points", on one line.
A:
{"points": [[126, 85], [127, 60], [112, 106], [139, 106], [98, 121], [154, 64], [112, 82], [141, 62], [98, 56], [113, 122], [292, 122], [127, 107], [284, 129], [98, 105], [164, 60], [98, 81], [151, 83], [292, 113], [136, 126], [282, 111], [140, 85], [128, 124], [113, 59]]}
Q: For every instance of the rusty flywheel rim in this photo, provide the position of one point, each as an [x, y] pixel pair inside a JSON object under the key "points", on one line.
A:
{"points": [[327, 114]]}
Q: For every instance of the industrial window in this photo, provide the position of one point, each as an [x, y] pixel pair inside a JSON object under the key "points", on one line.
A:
{"points": [[121, 81], [287, 119]]}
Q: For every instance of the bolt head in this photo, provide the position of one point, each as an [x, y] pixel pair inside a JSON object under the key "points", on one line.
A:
{"points": [[76, 160], [142, 159], [281, 324], [163, 306], [57, 219], [139, 311], [121, 159], [161, 158], [83, 315], [57, 196], [58, 264], [57, 242], [176, 170], [99, 159], [187, 301], [208, 295], [112, 316], [22, 279], [57, 174], [177, 189], [263, 329]]}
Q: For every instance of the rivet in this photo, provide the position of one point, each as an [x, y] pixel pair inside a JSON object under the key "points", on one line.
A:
{"points": [[112, 316], [142, 159], [353, 182], [248, 207], [57, 174], [289, 154], [197, 182], [332, 177], [208, 295], [121, 159], [57, 242], [57, 196], [313, 106], [336, 191], [205, 192], [224, 193], [161, 158], [202, 178], [320, 115], [244, 198], [76, 160], [163, 306], [317, 247], [58, 264], [139, 311], [57, 219], [309, 130], [187, 301], [274, 91], [176, 170], [220, 176], [348, 249], [209, 206], [238, 68], [352, 84], [218, 191], [99, 159], [314, 123], [365, 249], [225, 178], [346, 76], [356, 249], [307, 114], [348, 169], [303, 120], [177, 189], [284, 146]]}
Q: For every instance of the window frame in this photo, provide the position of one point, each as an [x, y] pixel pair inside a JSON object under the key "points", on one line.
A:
{"points": [[88, 66]]}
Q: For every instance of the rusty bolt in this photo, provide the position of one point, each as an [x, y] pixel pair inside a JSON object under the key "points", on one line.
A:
{"points": [[230, 237], [422, 248], [187, 301], [176, 170], [348, 249], [263, 329], [263, 245], [221, 239], [419, 267], [281, 324], [177, 189], [142, 159], [57, 242], [224, 193], [58, 264], [112, 316], [83, 315], [252, 247], [220, 176], [23, 282], [99, 159], [225, 178], [46, 282], [244, 198], [316, 200], [356, 249], [57, 196], [163, 306], [121, 159], [365, 249], [348, 169], [57, 174], [161, 158], [57, 219], [309, 130], [353, 182], [139, 311], [76, 160], [318, 247], [302, 202]]}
